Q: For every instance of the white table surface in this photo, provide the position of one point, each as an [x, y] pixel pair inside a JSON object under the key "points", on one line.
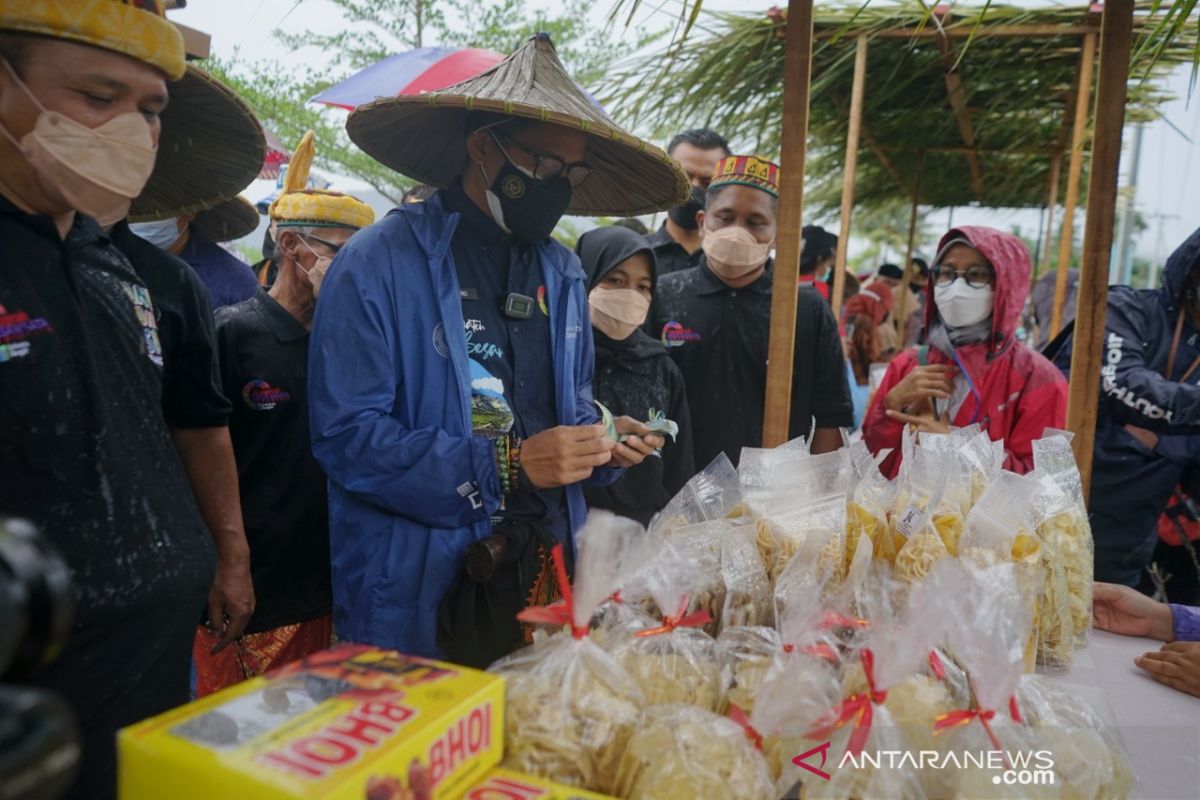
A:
{"points": [[1159, 726]]}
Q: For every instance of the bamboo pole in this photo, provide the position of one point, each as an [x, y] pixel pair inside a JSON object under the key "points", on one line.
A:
{"points": [[797, 78], [902, 304], [901, 320], [1088, 349], [1051, 205], [849, 172], [1078, 133]]}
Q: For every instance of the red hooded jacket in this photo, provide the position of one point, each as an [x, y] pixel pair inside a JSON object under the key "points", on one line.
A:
{"points": [[1020, 392]]}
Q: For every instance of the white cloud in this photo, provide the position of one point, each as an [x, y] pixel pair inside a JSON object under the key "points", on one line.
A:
{"points": [[489, 384]]}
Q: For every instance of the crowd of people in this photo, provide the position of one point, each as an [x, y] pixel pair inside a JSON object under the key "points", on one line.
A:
{"points": [[386, 426]]}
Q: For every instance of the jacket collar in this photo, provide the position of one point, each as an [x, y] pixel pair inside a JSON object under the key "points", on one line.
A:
{"points": [[433, 223]]}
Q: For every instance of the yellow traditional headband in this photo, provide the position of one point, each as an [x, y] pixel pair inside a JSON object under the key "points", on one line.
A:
{"points": [[297, 206], [136, 28]]}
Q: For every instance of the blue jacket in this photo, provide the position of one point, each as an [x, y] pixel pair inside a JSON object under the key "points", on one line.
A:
{"points": [[1131, 482], [389, 403]]}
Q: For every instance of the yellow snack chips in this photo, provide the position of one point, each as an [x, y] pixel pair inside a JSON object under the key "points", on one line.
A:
{"points": [[344, 723]]}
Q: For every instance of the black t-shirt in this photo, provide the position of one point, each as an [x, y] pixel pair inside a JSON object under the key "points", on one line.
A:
{"points": [[669, 255], [264, 372], [512, 366], [192, 395], [85, 454], [719, 336]]}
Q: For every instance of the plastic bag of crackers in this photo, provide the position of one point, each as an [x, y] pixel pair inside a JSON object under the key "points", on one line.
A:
{"points": [[883, 690], [1064, 525], [988, 639], [714, 492], [681, 752], [675, 660], [807, 503], [570, 706]]}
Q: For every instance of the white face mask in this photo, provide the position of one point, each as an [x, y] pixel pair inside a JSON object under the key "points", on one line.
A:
{"points": [[162, 233], [317, 273], [960, 306], [617, 313]]}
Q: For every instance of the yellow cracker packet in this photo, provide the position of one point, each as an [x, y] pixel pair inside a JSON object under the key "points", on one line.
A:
{"points": [[343, 723], [505, 784]]}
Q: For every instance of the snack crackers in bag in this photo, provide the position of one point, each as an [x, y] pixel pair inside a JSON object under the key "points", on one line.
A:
{"points": [[682, 752], [571, 707]]}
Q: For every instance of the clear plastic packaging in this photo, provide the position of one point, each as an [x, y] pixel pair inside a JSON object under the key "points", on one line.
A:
{"points": [[682, 752], [570, 706], [1000, 529], [991, 624], [1064, 524], [676, 661], [808, 503], [1089, 761], [878, 691], [713, 493], [741, 590]]}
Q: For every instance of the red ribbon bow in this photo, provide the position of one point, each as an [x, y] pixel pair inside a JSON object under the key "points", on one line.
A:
{"points": [[860, 706], [1013, 711], [562, 612], [832, 619], [953, 719], [935, 664], [737, 715], [819, 650], [670, 623]]}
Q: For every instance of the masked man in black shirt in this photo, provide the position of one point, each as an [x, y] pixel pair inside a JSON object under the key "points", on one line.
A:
{"points": [[676, 245], [263, 346], [84, 450], [715, 321]]}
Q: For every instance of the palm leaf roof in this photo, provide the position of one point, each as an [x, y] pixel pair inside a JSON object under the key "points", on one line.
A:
{"points": [[1018, 69]]}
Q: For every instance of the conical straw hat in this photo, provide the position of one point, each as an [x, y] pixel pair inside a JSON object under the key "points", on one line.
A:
{"points": [[424, 136], [227, 221], [210, 149]]}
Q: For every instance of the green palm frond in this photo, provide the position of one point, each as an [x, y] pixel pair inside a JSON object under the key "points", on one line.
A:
{"points": [[1017, 92]]}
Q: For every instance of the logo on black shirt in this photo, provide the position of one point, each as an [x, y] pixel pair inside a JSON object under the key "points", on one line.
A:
{"points": [[674, 334], [16, 328], [262, 396]]}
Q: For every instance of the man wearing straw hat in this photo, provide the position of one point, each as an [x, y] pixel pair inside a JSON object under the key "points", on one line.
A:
{"points": [[451, 365], [84, 451], [263, 346]]}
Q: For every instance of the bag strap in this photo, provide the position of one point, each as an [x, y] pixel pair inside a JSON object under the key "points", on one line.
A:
{"points": [[923, 355], [1174, 351]]}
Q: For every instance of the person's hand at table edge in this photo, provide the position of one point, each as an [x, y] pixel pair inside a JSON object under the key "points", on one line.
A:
{"points": [[1176, 664], [1120, 609]]}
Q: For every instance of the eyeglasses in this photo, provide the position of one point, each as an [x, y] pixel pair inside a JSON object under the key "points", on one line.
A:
{"points": [[547, 167], [977, 276], [333, 248]]}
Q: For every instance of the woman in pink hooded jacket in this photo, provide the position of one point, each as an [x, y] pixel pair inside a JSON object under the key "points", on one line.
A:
{"points": [[972, 369]]}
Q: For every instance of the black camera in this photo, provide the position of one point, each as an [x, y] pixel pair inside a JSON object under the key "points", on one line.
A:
{"points": [[39, 735]]}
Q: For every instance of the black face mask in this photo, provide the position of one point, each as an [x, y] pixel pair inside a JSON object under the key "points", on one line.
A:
{"points": [[528, 207], [685, 215]]}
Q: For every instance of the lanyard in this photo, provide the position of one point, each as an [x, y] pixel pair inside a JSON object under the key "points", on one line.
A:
{"points": [[1174, 349]]}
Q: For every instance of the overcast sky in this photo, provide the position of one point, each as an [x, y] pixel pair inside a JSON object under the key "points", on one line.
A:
{"points": [[1169, 166]]}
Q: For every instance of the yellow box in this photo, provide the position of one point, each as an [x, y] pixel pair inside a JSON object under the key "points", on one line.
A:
{"points": [[504, 784], [343, 724]]}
